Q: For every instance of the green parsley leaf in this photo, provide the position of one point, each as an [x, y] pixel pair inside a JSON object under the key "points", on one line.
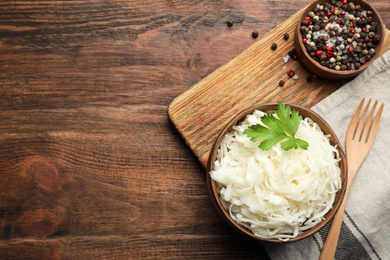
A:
{"points": [[278, 129]]}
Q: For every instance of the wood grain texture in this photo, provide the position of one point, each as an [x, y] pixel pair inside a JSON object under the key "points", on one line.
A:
{"points": [[90, 166], [250, 79]]}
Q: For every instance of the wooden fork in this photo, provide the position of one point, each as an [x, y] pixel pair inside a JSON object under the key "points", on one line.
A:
{"points": [[359, 139]]}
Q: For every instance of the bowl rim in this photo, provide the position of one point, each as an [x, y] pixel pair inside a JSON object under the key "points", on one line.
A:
{"points": [[213, 192], [331, 73]]}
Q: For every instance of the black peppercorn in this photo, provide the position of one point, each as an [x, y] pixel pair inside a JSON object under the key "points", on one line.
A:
{"points": [[376, 38], [309, 79], [229, 23], [274, 46], [281, 83], [255, 34], [286, 36]]}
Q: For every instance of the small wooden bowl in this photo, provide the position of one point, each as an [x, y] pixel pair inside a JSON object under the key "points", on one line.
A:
{"points": [[322, 71], [271, 108]]}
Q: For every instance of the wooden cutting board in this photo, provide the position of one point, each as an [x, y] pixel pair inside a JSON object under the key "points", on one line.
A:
{"points": [[252, 78]]}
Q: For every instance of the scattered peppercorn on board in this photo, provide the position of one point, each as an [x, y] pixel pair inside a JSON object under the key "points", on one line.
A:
{"points": [[252, 78]]}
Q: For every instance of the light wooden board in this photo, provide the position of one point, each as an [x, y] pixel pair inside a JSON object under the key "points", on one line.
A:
{"points": [[251, 78]]}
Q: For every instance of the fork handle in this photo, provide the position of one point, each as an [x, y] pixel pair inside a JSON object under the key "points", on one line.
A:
{"points": [[330, 245]]}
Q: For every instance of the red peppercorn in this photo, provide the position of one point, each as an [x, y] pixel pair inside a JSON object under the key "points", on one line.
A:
{"points": [[356, 38], [329, 14], [328, 48], [310, 22], [290, 73], [344, 2], [341, 26], [363, 29], [318, 53], [342, 12], [281, 83], [370, 40], [304, 40], [353, 30], [350, 49], [307, 18], [329, 54]]}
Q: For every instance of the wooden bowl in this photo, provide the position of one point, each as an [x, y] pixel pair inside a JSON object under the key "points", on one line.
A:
{"points": [[322, 71], [271, 108]]}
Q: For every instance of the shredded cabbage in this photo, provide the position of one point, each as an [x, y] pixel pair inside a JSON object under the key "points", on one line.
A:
{"points": [[276, 193]]}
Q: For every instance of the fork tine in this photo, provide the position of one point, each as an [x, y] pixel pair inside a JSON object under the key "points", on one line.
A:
{"points": [[359, 127], [355, 118], [375, 124], [368, 123], [351, 130]]}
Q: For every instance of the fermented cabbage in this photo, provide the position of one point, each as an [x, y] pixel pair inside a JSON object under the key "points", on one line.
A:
{"points": [[276, 193]]}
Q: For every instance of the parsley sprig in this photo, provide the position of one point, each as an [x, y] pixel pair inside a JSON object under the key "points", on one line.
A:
{"points": [[278, 129]]}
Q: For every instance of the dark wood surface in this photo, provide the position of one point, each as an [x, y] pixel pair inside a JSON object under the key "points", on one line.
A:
{"points": [[90, 167]]}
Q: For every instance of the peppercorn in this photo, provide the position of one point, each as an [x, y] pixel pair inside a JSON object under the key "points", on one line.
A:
{"points": [[309, 79], [376, 38], [281, 83], [274, 46], [286, 36], [229, 23], [323, 56], [291, 73], [255, 34]]}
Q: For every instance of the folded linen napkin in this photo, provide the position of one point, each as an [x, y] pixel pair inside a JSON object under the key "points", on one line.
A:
{"points": [[365, 232]]}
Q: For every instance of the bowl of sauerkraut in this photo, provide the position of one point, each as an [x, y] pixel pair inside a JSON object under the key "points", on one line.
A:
{"points": [[274, 194]]}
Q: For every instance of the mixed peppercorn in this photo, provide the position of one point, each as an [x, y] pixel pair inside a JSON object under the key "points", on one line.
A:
{"points": [[340, 35]]}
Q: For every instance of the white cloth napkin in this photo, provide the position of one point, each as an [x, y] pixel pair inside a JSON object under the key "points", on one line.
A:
{"points": [[365, 232]]}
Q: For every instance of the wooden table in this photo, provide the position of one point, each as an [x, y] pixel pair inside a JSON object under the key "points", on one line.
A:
{"points": [[90, 166]]}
